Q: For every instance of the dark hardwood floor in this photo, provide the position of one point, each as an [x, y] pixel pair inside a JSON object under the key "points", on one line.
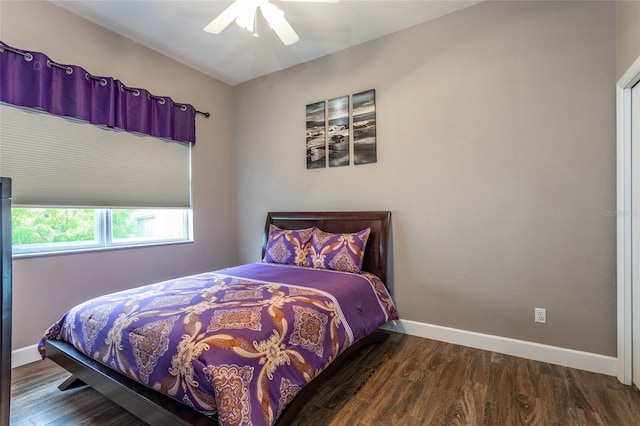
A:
{"points": [[405, 381]]}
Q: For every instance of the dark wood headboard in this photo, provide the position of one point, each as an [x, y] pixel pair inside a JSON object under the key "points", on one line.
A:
{"points": [[375, 256]]}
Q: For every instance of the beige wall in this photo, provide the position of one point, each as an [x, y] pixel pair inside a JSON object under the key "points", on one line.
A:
{"points": [[45, 287], [628, 14], [496, 156]]}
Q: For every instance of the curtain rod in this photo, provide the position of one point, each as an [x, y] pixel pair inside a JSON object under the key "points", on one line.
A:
{"points": [[29, 57]]}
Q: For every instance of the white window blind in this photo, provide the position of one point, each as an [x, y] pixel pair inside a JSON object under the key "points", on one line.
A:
{"points": [[58, 161]]}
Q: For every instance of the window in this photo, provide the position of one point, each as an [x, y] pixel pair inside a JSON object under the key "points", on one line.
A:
{"points": [[70, 164], [49, 230], [130, 226]]}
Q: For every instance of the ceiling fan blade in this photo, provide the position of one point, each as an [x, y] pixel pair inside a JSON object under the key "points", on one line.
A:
{"points": [[227, 16], [285, 32], [278, 23], [246, 19]]}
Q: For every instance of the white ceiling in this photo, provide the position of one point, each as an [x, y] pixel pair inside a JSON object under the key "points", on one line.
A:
{"points": [[175, 29]]}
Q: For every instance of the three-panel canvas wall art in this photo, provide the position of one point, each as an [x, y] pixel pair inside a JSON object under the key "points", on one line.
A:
{"points": [[336, 126]]}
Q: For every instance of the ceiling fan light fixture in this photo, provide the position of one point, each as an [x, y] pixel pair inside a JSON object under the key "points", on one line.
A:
{"points": [[244, 13]]}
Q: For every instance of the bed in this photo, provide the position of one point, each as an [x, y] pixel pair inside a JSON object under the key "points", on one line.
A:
{"points": [[243, 345]]}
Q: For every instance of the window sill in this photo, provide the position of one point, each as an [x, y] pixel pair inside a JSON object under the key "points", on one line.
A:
{"points": [[18, 256]]}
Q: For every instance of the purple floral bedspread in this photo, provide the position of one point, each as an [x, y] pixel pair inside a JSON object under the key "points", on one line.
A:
{"points": [[241, 341]]}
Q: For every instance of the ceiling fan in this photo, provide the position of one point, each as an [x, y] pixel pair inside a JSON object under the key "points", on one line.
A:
{"points": [[245, 13]]}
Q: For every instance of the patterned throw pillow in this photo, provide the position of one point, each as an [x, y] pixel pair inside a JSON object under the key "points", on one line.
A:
{"points": [[340, 252], [288, 247]]}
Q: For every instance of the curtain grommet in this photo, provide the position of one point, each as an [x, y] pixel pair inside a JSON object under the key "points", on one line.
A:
{"points": [[135, 92], [67, 69], [102, 81], [26, 55], [183, 107], [160, 99]]}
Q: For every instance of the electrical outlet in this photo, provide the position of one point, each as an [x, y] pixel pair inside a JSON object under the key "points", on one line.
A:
{"points": [[540, 315]]}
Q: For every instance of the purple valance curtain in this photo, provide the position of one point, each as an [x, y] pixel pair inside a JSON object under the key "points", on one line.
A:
{"points": [[32, 79]]}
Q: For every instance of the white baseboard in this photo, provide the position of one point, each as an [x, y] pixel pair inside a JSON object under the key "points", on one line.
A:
{"points": [[24, 356], [552, 354]]}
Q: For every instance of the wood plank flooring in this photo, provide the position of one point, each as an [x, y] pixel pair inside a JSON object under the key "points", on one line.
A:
{"points": [[405, 381]]}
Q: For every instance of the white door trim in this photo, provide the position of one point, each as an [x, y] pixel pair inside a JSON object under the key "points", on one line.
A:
{"points": [[625, 215]]}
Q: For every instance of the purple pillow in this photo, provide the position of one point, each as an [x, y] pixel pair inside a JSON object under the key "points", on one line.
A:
{"points": [[340, 252], [288, 247]]}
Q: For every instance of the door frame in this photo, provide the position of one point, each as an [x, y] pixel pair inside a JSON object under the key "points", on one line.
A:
{"points": [[626, 218]]}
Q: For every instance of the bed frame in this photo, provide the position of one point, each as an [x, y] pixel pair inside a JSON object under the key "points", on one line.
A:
{"points": [[157, 409]]}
